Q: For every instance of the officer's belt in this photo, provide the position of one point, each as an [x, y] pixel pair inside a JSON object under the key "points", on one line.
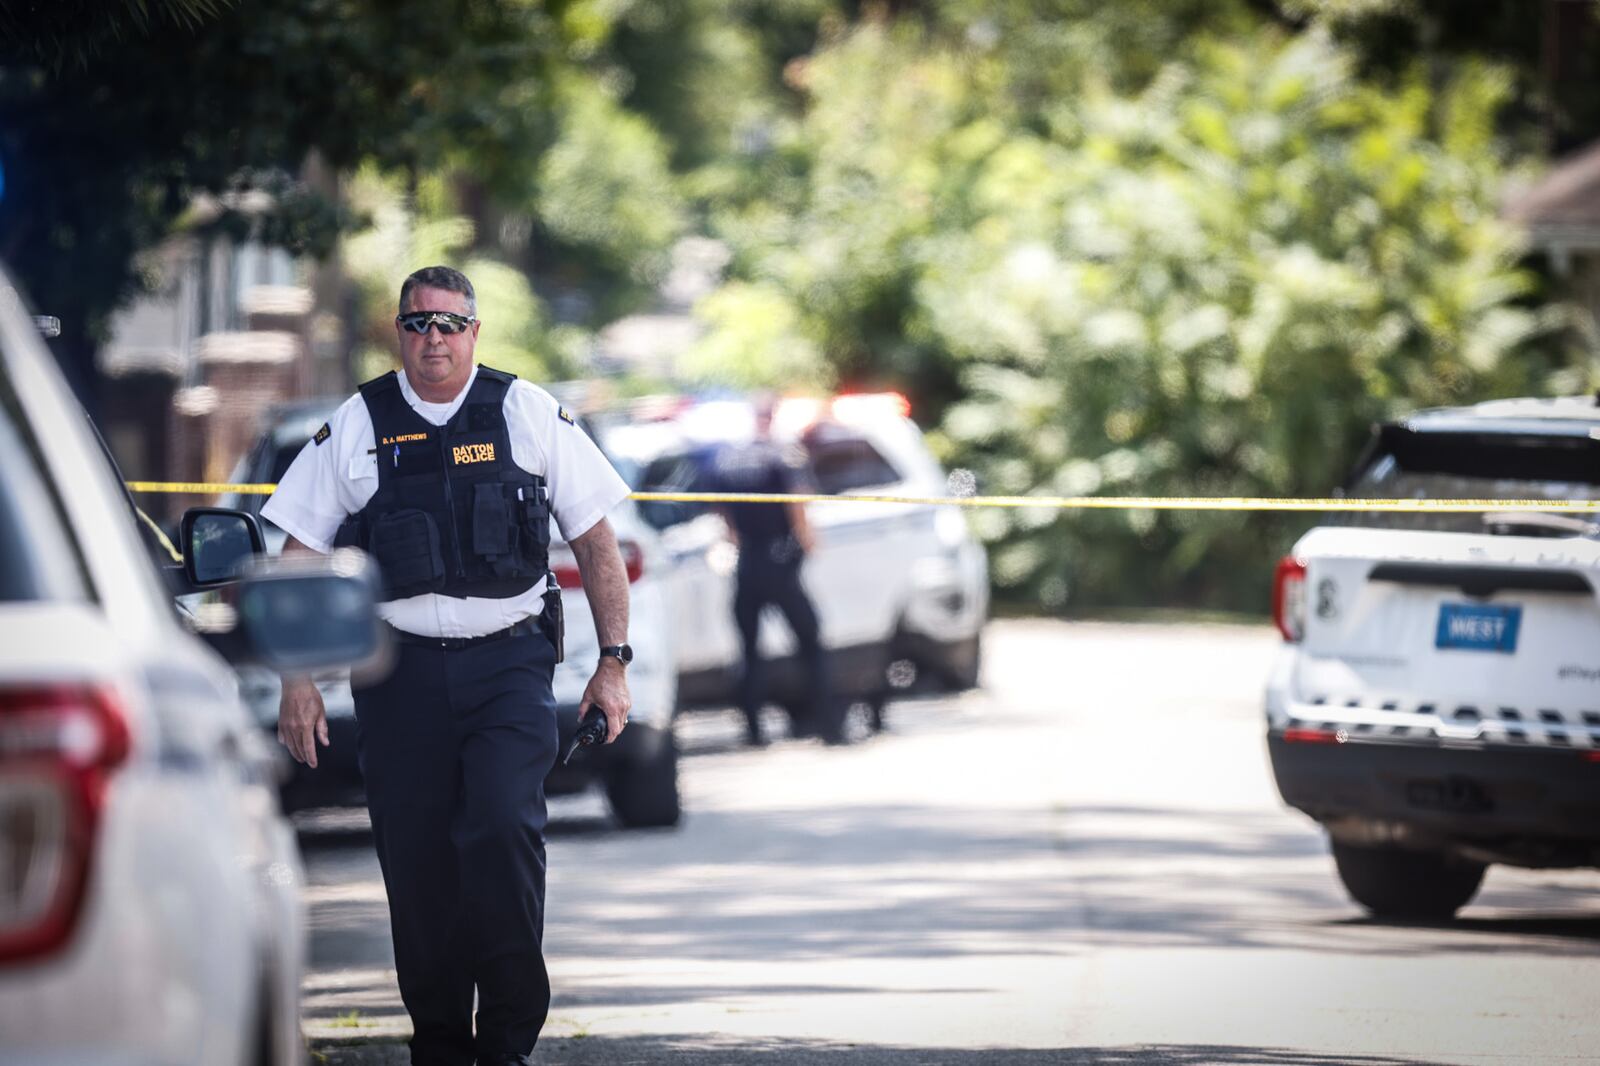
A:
{"points": [[523, 628]]}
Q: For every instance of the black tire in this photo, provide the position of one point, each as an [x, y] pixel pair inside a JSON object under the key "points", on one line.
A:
{"points": [[962, 663], [645, 795], [876, 706], [1396, 883], [802, 723]]}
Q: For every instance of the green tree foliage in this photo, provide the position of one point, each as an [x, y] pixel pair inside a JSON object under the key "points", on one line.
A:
{"points": [[102, 157], [604, 191], [58, 33], [1551, 51], [403, 233], [1204, 275]]}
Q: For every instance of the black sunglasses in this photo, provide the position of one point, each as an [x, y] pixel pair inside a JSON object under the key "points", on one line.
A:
{"points": [[421, 321]]}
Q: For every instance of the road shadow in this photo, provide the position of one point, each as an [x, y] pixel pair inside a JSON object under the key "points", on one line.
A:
{"points": [[912, 882], [722, 1051], [1568, 927], [710, 1052], [331, 828]]}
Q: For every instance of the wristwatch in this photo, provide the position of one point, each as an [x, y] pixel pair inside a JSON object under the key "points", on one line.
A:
{"points": [[624, 652]]}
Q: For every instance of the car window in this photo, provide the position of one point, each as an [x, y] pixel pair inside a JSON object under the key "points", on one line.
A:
{"points": [[669, 473], [282, 459], [1472, 466], [842, 464], [38, 558]]}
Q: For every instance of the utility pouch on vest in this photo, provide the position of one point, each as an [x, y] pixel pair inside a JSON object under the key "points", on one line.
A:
{"points": [[406, 545], [533, 513], [350, 534], [551, 620], [493, 537]]}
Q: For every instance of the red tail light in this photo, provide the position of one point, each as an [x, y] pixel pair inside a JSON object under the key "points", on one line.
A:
{"points": [[58, 745], [1289, 598], [1295, 735], [565, 567]]}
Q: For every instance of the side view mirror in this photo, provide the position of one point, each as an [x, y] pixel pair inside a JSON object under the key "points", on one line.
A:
{"points": [[310, 612], [302, 613], [218, 544]]}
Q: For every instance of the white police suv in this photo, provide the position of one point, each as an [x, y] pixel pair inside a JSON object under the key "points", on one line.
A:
{"points": [[1436, 705], [900, 589]]}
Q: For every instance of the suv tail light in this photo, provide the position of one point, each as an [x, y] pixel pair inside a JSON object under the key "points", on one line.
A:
{"points": [[1289, 598], [565, 567], [58, 745]]}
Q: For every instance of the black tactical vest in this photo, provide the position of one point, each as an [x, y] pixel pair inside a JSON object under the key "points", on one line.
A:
{"points": [[453, 514]]}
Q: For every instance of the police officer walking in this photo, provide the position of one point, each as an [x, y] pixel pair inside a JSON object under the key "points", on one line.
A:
{"points": [[773, 540], [448, 473]]}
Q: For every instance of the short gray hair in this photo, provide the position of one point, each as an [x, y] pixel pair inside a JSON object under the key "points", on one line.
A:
{"points": [[440, 277]]}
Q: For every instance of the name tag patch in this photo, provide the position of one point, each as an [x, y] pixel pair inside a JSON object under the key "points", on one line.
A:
{"points": [[405, 438], [473, 453]]}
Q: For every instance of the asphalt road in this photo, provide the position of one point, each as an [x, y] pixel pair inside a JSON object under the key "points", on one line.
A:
{"points": [[1084, 861]]}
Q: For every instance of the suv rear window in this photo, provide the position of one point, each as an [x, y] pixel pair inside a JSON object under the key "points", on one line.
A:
{"points": [[841, 464], [1406, 464]]}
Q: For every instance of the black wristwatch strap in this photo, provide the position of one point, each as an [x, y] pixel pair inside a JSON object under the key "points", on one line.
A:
{"points": [[620, 652]]}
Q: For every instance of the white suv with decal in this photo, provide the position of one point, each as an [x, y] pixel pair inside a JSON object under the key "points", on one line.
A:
{"points": [[1436, 705]]}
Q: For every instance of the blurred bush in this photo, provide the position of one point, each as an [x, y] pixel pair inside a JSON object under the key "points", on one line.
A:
{"points": [[1108, 261], [405, 232]]}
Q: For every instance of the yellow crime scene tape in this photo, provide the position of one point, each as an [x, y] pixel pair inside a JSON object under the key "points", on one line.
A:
{"points": [[1085, 503]]}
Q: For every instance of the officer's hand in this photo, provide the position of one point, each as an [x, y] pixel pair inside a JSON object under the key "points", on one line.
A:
{"points": [[301, 718], [608, 688]]}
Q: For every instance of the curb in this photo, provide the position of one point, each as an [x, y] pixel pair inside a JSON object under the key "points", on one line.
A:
{"points": [[359, 1051]]}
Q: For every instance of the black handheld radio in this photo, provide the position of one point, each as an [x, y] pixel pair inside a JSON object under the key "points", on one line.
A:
{"points": [[592, 730]]}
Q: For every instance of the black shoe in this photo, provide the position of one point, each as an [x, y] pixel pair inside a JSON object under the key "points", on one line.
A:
{"points": [[508, 1059]]}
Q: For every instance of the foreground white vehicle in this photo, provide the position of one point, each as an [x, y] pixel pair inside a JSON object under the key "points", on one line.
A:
{"points": [[1436, 705], [149, 886]]}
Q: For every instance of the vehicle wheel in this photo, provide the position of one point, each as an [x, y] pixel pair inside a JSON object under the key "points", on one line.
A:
{"points": [[802, 722], [1396, 883], [962, 662], [645, 795], [877, 705]]}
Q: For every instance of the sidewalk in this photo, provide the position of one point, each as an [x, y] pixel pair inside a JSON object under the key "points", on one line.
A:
{"points": [[724, 1051]]}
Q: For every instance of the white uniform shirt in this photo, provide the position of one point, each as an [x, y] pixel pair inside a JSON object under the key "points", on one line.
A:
{"points": [[334, 478]]}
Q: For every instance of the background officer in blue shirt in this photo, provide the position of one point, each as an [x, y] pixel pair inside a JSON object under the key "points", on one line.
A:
{"points": [[449, 473], [773, 541]]}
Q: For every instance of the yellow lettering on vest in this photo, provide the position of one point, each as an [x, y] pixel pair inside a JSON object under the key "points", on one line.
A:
{"points": [[473, 453], [404, 438]]}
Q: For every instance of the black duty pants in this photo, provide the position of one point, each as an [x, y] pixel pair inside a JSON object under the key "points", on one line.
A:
{"points": [[763, 582], [454, 746]]}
